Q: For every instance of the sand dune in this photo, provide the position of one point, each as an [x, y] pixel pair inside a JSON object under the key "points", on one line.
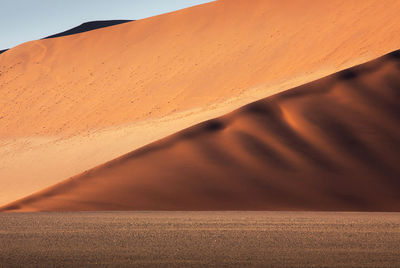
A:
{"points": [[70, 103], [332, 144]]}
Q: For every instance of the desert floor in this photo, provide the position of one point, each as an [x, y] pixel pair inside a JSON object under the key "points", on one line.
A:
{"points": [[200, 239]]}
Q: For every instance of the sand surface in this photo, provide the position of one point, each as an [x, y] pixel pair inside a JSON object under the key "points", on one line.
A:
{"points": [[70, 103], [332, 144], [200, 239]]}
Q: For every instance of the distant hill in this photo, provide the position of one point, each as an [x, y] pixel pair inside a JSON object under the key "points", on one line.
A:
{"points": [[84, 27], [88, 26]]}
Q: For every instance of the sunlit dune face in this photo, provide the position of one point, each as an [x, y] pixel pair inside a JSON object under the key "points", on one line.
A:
{"points": [[191, 58]]}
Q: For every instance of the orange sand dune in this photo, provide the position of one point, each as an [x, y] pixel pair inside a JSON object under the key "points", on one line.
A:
{"points": [[333, 144], [70, 103]]}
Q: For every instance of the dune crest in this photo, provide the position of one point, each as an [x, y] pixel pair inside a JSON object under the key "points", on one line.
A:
{"points": [[332, 144], [62, 98]]}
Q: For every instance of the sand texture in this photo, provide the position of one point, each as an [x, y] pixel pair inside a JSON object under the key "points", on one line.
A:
{"points": [[332, 144], [200, 239]]}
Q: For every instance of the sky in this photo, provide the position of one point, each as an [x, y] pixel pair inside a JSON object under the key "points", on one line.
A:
{"points": [[26, 20]]}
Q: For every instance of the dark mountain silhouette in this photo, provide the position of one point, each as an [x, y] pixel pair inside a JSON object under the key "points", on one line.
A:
{"points": [[84, 27], [88, 26]]}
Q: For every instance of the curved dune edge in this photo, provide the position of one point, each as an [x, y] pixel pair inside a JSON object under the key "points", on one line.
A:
{"points": [[332, 144]]}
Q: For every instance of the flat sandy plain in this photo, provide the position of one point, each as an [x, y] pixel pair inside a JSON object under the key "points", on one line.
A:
{"points": [[200, 239]]}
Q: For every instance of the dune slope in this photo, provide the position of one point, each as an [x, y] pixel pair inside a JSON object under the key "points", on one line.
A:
{"points": [[332, 144], [68, 104]]}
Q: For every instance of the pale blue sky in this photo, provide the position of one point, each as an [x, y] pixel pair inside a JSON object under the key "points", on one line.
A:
{"points": [[25, 20]]}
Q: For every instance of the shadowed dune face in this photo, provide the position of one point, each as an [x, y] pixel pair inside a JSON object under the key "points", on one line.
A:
{"points": [[68, 104], [2, 51], [88, 26], [332, 144]]}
